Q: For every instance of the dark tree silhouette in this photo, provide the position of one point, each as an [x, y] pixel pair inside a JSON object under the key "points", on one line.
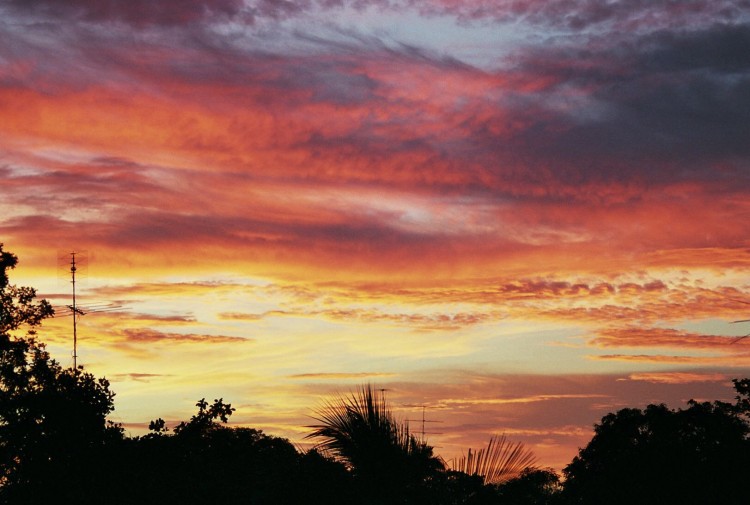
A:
{"points": [[205, 461], [204, 422], [533, 486], [742, 406], [699, 455], [52, 420], [389, 464], [18, 307]]}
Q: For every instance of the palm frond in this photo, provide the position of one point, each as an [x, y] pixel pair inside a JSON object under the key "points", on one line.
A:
{"points": [[500, 461], [351, 423], [361, 431]]}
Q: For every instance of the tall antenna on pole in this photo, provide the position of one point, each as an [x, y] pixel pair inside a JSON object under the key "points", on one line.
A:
{"points": [[75, 266], [75, 311]]}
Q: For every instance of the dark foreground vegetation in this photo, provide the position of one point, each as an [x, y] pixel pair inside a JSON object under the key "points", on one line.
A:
{"points": [[57, 446]]}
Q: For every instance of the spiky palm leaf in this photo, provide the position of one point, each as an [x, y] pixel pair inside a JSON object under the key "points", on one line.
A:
{"points": [[361, 431], [500, 461]]}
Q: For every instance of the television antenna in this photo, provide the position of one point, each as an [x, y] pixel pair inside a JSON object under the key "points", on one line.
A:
{"points": [[424, 421], [74, 310]]}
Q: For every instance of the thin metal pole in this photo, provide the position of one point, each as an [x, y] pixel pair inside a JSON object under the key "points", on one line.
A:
{"points": [[75, 311]]}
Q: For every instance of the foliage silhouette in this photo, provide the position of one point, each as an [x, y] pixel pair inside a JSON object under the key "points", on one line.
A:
{"points": [[204, 422], [203, 460], [388, 462], [18, 307], [533, 486], [699, 455], [499, 462], [52, 420]]}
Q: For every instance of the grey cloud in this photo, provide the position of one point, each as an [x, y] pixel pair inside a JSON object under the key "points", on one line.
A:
{"points": [[580, 15], [133, 12], [615, 109]]}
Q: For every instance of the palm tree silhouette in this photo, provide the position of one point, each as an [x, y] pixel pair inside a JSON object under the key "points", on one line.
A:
{"points": [[361, 431]]}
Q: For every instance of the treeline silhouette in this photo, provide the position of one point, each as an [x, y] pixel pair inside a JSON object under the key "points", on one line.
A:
{"points": [[56, 446]]}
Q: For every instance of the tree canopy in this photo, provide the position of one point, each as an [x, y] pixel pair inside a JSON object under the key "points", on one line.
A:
{"points": [[658, 455]]}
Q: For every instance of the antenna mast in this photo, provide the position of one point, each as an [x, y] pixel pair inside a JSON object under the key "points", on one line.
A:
{"points": [[423, 420], [76, 266], [74, 310]]}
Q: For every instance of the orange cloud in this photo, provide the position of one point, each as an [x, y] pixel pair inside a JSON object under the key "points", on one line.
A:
{"points": [[678, 377], [146, 335], [739, 360], [662, 337]]}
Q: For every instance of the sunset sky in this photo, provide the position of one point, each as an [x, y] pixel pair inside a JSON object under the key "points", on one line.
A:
{"points": [[517, 215]]}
